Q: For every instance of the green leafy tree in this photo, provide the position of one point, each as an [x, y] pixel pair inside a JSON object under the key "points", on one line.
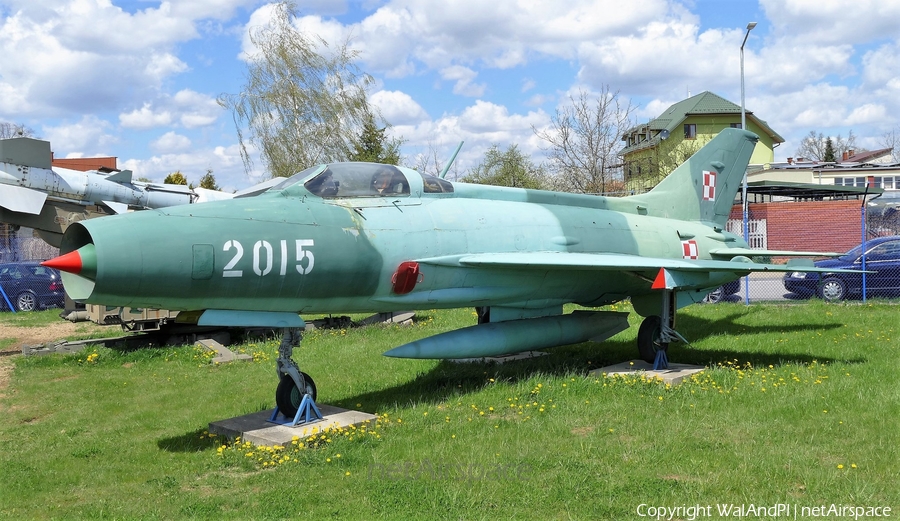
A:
{"points": [[828, 156], [507, 168], [175, 178], [304, 101], [208, 180], [373, 146]]}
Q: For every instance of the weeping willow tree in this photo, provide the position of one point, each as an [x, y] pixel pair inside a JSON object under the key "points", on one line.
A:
{"points": [[304, 101]]}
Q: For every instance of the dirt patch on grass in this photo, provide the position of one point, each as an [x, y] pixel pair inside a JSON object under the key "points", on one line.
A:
{"points": [[35, 335], [27, 336]]}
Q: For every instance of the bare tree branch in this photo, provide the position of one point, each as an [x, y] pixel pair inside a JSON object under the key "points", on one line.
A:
{"points": [[584, 139]]}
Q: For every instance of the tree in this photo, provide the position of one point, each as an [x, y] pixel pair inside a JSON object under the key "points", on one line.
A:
{"points": [[304, 102], [584, 139], [892, 140], [373, 146], [507, 168], [828, 156], [10, 130], [814, 146], [176, 178], [208, 180]]}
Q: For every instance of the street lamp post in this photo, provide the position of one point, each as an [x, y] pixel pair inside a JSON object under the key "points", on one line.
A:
{"points": [[750, 27]]}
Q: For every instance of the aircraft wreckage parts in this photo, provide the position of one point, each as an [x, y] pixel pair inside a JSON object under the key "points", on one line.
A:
{"points": [[515, 336], [288, 397]]}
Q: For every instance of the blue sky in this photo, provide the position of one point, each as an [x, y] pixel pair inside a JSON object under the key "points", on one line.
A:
{"points": [[138, 79]]}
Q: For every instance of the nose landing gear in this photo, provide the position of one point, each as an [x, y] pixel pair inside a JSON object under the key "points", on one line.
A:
{"points": [[296, 393]]}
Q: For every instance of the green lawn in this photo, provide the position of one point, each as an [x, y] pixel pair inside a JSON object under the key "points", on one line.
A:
{"points": [[800, 406]]}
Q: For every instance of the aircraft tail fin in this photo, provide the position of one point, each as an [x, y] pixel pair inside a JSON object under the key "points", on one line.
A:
{"points": [[703, 188]]}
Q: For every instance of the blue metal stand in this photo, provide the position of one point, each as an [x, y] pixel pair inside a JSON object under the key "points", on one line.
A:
{"points": [[661, 362], [308, 412], [8, 303]]}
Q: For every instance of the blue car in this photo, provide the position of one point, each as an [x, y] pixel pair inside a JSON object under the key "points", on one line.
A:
{"points": [[30, 286], [882, 257]]}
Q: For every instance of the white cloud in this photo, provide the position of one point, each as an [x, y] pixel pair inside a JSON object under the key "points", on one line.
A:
{"points": [[189, 108], [145, 117], [76, 57], [225, 162], [398, 108], [866, 114], [832, 22], [463, 78], [87, 137], [171, 142]]}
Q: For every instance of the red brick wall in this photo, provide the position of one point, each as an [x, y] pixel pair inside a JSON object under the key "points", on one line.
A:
{"points": [[808, 226]]}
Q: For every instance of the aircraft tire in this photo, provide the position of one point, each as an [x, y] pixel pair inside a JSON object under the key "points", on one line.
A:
{"points": [[288, 397], [648, 339]]}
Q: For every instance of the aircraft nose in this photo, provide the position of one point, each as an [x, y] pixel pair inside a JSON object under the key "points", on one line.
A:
{"points": [[82, 261]]}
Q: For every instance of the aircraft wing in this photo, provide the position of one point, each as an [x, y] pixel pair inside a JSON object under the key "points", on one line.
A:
{"points": [[20, 199], [677, 273], [613, 262], [746, 252]]}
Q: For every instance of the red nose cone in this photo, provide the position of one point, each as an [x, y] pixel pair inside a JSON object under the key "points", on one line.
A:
{"points": [[70, 263]]}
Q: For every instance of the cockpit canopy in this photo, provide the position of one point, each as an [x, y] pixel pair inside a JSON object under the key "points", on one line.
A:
{"points": [[362, 180]]}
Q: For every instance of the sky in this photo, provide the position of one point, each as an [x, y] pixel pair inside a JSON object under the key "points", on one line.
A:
{"points": [[139, 79]]}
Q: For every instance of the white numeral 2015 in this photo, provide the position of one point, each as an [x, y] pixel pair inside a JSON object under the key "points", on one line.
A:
{"points": [[264, 257]]}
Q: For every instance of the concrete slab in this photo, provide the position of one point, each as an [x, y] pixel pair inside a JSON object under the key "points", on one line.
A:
{"points": [[223, 354], [674, 375], [257, 429], [500, 359], [395, 317]]}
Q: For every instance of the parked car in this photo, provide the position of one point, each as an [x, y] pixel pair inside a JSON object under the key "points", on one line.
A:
{"points": [[882, 257], [724, 291], [30, 286]]}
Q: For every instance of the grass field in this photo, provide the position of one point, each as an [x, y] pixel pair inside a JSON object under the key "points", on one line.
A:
{"points": [[800, 406]]}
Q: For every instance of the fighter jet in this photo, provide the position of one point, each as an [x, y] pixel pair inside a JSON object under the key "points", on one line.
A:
{"points": [[34, 194], [363, 237]]}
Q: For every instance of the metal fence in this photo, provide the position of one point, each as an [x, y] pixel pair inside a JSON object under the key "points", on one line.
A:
{"points": [[868, 233], [20, 244]]}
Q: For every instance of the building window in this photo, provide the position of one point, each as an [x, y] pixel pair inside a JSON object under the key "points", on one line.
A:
{"points": [[690, 131], [735, 125]]}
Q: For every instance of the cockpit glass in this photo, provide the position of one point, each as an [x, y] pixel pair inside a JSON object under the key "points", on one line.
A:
{"points": [[296, 178], [435, 185], [359, 180]]}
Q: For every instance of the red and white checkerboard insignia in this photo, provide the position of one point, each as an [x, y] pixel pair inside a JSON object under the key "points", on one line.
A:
{"points": [[709, 186], [690, 249]]}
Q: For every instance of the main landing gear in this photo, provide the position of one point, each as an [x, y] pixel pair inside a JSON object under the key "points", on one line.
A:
{"points": [[657, 331], [293, 384]]}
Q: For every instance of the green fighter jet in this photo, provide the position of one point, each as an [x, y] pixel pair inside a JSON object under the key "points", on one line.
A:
{"points": [[363, 237]]}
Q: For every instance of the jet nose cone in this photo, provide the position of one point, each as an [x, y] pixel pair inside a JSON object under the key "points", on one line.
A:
{"points": [[70, 263], [82, 261]]}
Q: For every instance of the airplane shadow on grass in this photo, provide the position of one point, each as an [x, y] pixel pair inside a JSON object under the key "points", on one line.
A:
{"points": [[449, 380]]}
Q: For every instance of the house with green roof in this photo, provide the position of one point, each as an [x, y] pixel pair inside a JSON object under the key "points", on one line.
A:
{"points": [[652, 150]]}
